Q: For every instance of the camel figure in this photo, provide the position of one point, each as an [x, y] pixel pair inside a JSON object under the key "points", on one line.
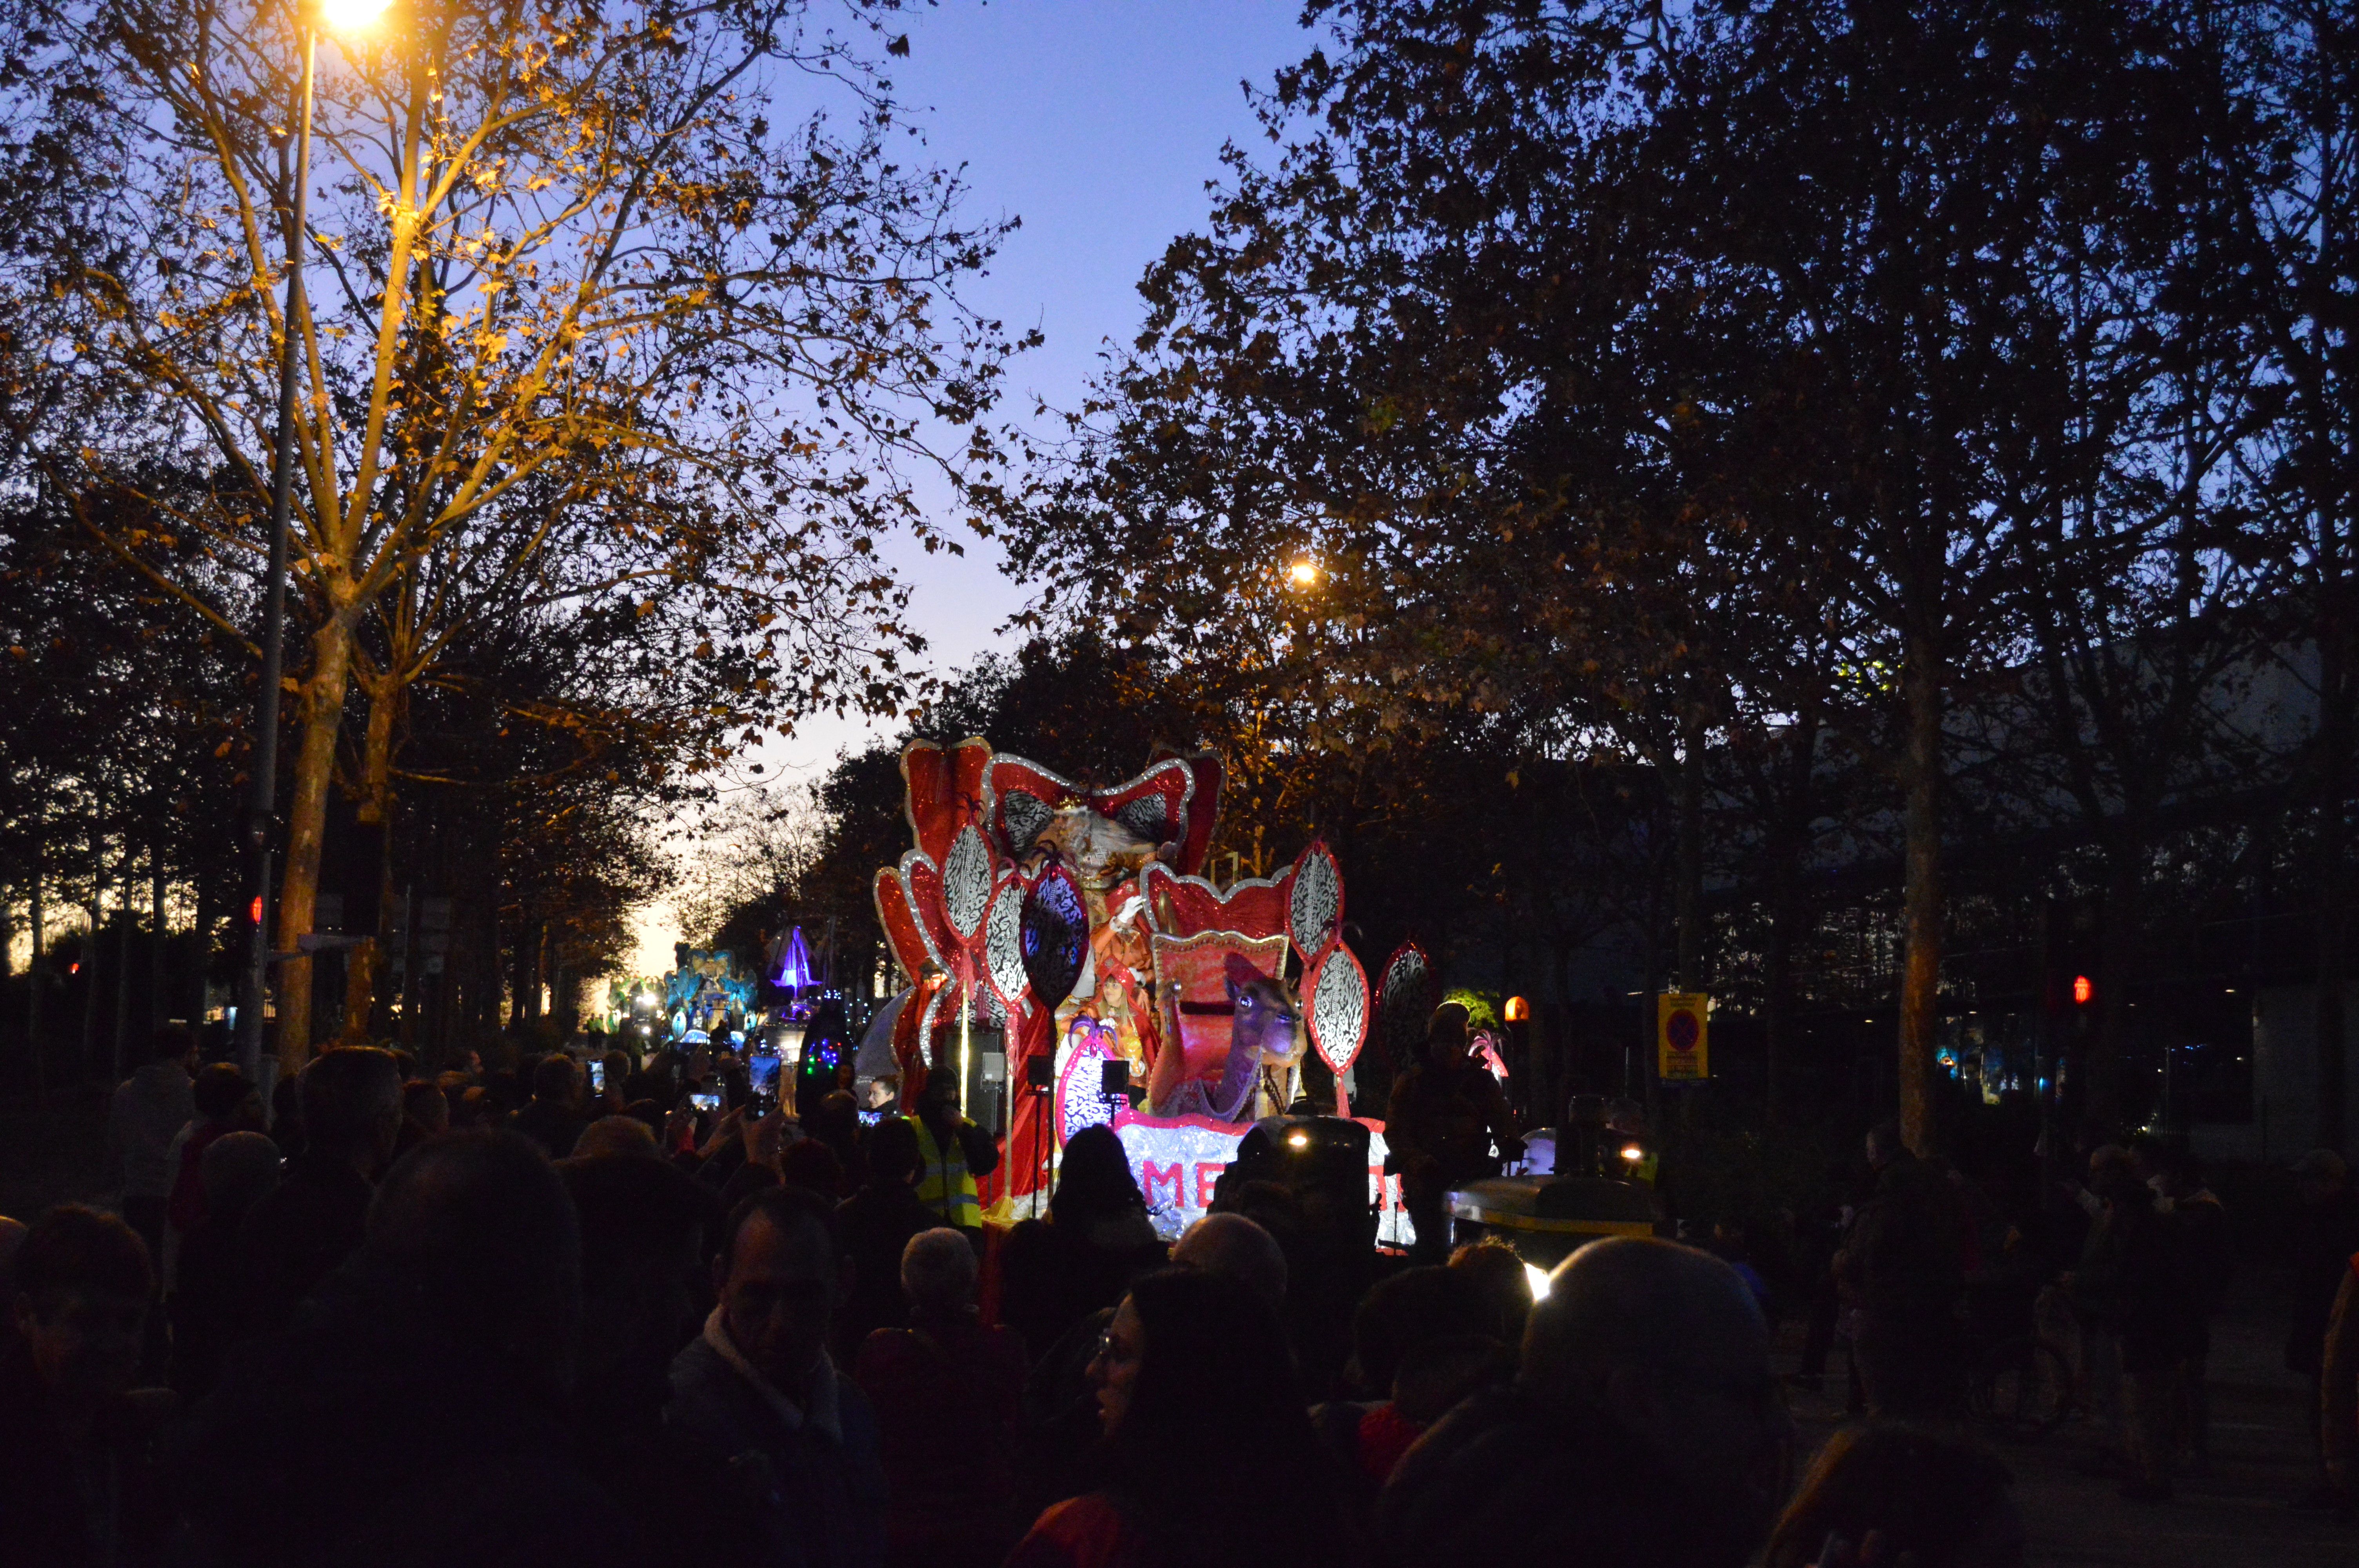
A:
{"points": [[1265, 1029]]}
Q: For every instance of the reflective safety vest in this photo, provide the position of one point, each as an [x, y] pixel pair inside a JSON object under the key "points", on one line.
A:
{"points": [[946, 1188]]}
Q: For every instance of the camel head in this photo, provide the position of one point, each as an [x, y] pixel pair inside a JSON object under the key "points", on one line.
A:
{"points": [[1267, 1015]]}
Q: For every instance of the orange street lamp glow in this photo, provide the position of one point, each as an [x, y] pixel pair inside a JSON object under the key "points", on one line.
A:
{"points": [[1303, 572]]}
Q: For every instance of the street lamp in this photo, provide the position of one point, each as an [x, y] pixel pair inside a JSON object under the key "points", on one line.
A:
{"points": [[342, 15], [1304, 572]]}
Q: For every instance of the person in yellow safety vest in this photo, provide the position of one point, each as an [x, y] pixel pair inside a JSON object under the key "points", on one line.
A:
{"points": [[955, 1152]]}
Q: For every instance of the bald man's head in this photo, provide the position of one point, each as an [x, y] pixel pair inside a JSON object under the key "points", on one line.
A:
{"points": [[1628, 1302], [1668, 1342], [1234, 1246]]}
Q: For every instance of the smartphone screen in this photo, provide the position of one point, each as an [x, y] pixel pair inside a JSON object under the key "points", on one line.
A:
{"points": [[597, 1077], [762, 1076], [705, 1101]]}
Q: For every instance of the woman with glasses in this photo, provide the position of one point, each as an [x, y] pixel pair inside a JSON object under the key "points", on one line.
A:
{"points": [[1208, 1455]]}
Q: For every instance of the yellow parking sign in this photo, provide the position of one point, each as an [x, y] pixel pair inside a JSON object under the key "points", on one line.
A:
{"points": [[1682, 1021]]}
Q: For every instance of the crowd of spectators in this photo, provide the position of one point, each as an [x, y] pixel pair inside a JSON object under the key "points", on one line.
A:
{"points": [[502, 1318]]}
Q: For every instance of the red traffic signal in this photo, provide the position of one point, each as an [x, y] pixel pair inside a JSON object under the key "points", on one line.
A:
{"points": [[254, 910], [2085, 990]]}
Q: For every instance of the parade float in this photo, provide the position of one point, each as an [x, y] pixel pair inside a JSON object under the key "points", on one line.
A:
{"points": [[1075, 929]]}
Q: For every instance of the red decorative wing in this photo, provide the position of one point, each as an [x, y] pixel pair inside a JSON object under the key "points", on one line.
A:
{"points": [[1167, 803], [944, 791], [900, 922], [1156, 805], [1184, 906], [923, 882], [1203, 813], [1018, 798]]}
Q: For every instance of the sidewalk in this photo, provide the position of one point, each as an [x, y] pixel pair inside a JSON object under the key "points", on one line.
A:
{"points": [[2235, 1516]]}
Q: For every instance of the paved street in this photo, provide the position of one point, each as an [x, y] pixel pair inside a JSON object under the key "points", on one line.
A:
{"points": [[2235, 1516]]}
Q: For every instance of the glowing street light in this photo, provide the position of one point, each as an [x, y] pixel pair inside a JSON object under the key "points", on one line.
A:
{"points": [[1303, 573], [351, 15]]}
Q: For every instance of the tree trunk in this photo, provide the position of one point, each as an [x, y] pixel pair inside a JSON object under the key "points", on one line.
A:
{"points": [[33, 986], [90, 954], [524, 975], [1688, 906], [159, 1011], [307, 816], [1786, 905], [2332, 920], [361, 965], [127, 929], [2108, 1105], [200, 952], [1920, 979]]}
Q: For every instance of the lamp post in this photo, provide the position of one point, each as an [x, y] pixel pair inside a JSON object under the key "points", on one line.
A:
{"points": [[309, 15]]}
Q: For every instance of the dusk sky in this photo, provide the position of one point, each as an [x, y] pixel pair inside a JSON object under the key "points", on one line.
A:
{"points": [[1097, 122]]}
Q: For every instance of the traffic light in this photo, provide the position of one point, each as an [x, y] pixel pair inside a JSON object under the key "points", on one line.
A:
{"points": [[2070, 947]]}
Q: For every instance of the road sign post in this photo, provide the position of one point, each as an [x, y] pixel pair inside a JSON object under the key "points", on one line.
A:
{"points": [[1682, 1045]]}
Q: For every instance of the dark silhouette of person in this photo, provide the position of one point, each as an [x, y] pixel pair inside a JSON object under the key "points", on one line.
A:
{"points": [[553, 1117], [418, 1408], [875, 1225], [1904, 1260], [209, 1302], [1643, 1426], [644, 1224], [944, 1388], [144, 1117], [1888, 1491], [296, 1237], [76, 1483], [758, 1394], [1447, 1123], [1195, 1364], [1096, 1239]]}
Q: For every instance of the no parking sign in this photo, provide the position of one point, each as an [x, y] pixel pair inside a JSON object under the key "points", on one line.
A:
{"points": [[1682, 1052]]}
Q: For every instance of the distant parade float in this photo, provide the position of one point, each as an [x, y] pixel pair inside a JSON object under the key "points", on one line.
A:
{"points": [[1062, 945]]}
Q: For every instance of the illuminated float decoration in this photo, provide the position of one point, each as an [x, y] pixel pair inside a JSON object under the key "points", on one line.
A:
{"points": [[1078, 916]]}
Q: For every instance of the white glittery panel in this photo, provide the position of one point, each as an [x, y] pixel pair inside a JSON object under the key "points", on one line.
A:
{"points": [[1176, 1163], [945, 996], [966, 881], [1339, 1007], [1392, 1229], [1081, 1089], [1003, 941], [1318, 900]]}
